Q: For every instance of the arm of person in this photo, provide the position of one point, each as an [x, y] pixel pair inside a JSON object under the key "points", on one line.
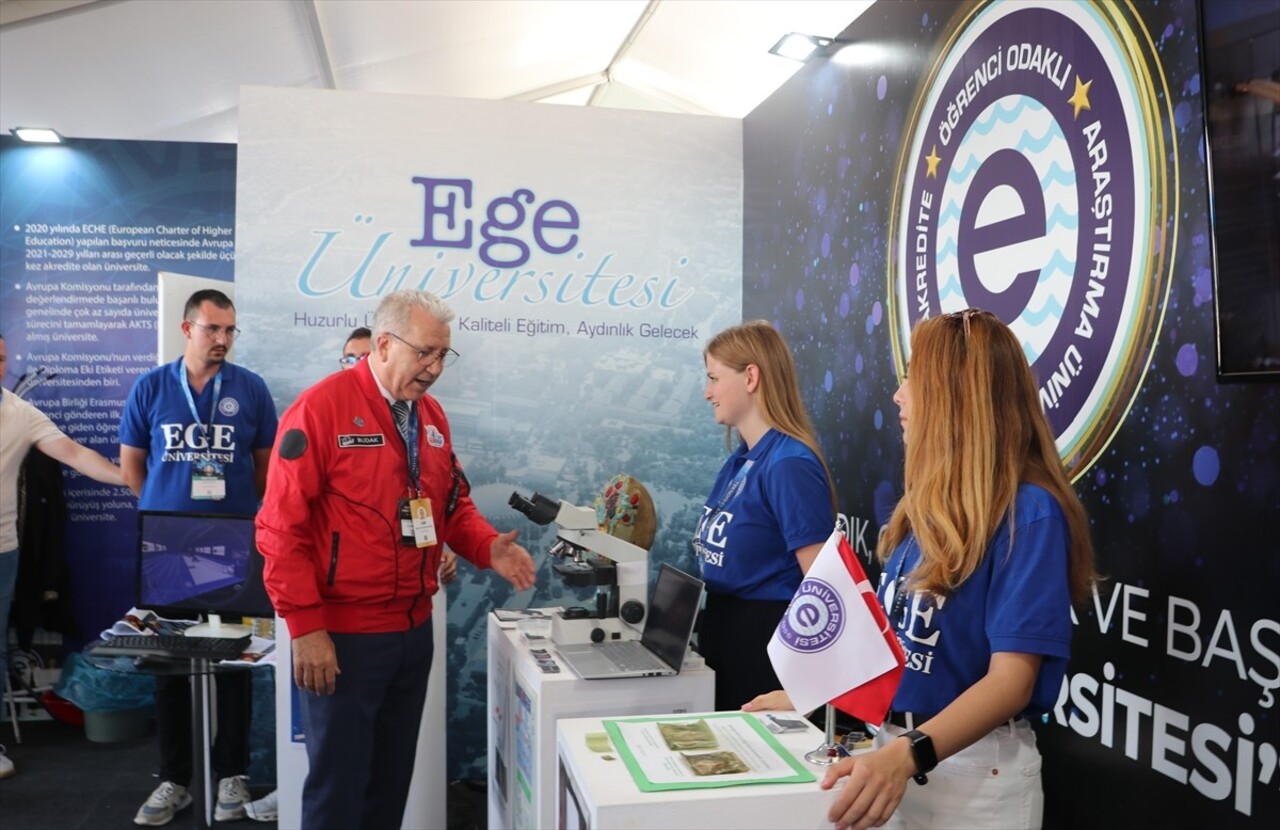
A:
{"points": [[294, 481], [261, 458], [133, 468], [806, 555], [82, 459], [801, 501], [877, 780]]}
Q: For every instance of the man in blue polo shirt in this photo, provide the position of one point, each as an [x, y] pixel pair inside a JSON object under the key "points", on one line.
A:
{"points": [[196, 436]]}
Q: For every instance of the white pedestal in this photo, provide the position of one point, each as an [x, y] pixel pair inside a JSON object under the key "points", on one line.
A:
{"points": [[594, 793], [525, 703], [426, 806]]}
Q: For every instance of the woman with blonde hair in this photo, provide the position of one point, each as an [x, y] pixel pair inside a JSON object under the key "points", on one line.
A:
{"points": [[983, 558], [769, 512]]}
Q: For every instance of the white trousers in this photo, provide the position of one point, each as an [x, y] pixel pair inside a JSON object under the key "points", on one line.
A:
{"points": [[995, 783]]}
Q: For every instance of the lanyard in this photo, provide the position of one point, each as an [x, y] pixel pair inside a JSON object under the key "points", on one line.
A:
{"points": [[179, 370], [900, 584], [734, 487], [411, 445]]}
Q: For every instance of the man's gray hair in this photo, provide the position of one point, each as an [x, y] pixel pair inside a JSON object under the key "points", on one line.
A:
{"points": [[395, 309]]}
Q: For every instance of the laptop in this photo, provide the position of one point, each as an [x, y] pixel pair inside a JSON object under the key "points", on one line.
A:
{"points": [[660, 650]]}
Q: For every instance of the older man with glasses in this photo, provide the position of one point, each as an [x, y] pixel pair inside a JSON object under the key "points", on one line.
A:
{"points": [[362, 497]]}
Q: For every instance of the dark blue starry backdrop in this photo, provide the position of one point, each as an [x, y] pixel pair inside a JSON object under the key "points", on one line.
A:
{"points": [[1171, 703]]}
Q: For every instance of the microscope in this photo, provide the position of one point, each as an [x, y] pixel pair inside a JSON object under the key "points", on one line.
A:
{"points": [[618, 569]]}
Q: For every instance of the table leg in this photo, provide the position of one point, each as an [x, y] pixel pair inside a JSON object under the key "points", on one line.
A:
{"points": [[200, 787]]}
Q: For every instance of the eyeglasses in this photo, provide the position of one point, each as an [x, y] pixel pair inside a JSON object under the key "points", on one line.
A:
{"points": [[349, 359], [428, 356], [230, 332]]}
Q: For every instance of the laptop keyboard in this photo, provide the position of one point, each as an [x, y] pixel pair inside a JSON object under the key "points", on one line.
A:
{"points": [[630, 655], [175, 645]]}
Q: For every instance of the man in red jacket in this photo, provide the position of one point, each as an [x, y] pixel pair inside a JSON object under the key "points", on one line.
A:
{"points": [[364, 493]]}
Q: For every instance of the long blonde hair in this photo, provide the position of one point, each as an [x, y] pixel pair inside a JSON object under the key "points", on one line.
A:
{"points": [[976, 431], [758, 343]]}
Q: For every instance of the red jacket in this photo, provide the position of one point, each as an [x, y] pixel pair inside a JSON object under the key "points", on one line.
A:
{"points": [[329, 529]]}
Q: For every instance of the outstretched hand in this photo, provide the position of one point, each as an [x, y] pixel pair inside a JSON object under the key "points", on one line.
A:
{"points": [[511, 561], [874, 787]]}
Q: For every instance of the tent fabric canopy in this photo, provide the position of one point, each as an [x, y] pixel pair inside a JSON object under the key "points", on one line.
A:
{"points": [[172, 71]]}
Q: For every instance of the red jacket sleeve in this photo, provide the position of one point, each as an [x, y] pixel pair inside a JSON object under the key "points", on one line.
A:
{"points": [[294, 480]]}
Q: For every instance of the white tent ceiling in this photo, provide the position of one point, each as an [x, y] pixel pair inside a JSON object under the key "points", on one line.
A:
{"points": [[172, 69]]}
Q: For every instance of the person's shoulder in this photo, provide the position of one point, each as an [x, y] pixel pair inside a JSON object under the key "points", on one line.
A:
{"points": [[1035, 503], [16, 403], [785, 447], [328, 390], [239, 374], [153, 376]]}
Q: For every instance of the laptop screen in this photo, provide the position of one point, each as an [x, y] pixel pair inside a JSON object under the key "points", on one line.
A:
{"points": [[672, 611], [199, 562]]}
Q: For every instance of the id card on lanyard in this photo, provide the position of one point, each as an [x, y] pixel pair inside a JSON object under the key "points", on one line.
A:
{"points": [[208, 475], [417, 523]]}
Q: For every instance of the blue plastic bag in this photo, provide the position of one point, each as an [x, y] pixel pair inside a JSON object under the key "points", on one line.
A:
{"points": [[98, 690]]}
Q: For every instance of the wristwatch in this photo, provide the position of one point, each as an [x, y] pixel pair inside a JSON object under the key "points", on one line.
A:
{"points": [[923, 752]]}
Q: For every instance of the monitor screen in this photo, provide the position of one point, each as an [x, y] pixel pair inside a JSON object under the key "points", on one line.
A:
{"points": [[1241, 83], [201, 562], [672, 612]]}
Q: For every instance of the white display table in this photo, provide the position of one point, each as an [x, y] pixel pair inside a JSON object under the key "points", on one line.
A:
{"points": [[596, 792], [525, 703]]}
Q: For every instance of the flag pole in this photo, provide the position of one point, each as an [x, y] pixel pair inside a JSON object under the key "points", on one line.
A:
{"points": [[829, 752]]}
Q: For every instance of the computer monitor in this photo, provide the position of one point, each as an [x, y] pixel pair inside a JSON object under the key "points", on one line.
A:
{"points": [[200, 562]]}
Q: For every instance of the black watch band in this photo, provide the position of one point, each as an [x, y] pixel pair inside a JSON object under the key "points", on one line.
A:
{"points": [[922, 751]]}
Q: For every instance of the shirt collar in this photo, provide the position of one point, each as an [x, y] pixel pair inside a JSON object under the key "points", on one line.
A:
{"points": [[382, 389]]}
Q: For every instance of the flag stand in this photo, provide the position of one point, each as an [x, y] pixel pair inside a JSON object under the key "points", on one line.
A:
{"points": [[830, 751]]}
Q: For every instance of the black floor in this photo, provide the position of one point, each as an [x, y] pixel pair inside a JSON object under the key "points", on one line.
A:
{"points": [[64, 781]]}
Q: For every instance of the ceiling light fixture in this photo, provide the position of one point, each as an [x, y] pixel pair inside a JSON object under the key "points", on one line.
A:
{"points": [[799, 47], [37, 135]]}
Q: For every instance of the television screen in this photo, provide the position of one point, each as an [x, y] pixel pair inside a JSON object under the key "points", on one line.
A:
{"points": [[201, 562], [1240, 47]]}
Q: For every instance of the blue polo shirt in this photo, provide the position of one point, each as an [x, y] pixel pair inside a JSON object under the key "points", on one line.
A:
{"points": [[767, 502], [1017, 600], [157, 418]]}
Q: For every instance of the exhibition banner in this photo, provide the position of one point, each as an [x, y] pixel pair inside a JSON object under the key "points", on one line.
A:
{"points": [[589, 255], [1046, 161], [85, 228]]}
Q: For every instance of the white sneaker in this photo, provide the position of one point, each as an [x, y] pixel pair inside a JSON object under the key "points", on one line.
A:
{"points": [[167, 799], [6, 765], [266, 808], [232, 796]]}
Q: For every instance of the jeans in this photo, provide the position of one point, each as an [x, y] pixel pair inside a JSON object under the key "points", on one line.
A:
{"points": [[994, 783], [8, 579]]}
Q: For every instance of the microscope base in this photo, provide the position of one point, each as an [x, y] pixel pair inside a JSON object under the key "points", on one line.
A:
{"points": [[573, 631]]}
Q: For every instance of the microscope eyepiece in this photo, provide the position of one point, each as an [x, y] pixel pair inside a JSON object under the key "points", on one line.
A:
{"points": [[540, 509]]}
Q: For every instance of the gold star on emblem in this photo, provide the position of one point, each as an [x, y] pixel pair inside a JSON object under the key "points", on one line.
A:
{"points": [[1080, 100], [932, 159]]}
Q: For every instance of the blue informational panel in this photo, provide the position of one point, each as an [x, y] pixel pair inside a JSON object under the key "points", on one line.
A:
{"points": [[84, 229]]}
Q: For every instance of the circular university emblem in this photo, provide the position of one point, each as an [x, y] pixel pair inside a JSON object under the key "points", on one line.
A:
{"points": [[1037, 177], [814, 619], [229, 407]]}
